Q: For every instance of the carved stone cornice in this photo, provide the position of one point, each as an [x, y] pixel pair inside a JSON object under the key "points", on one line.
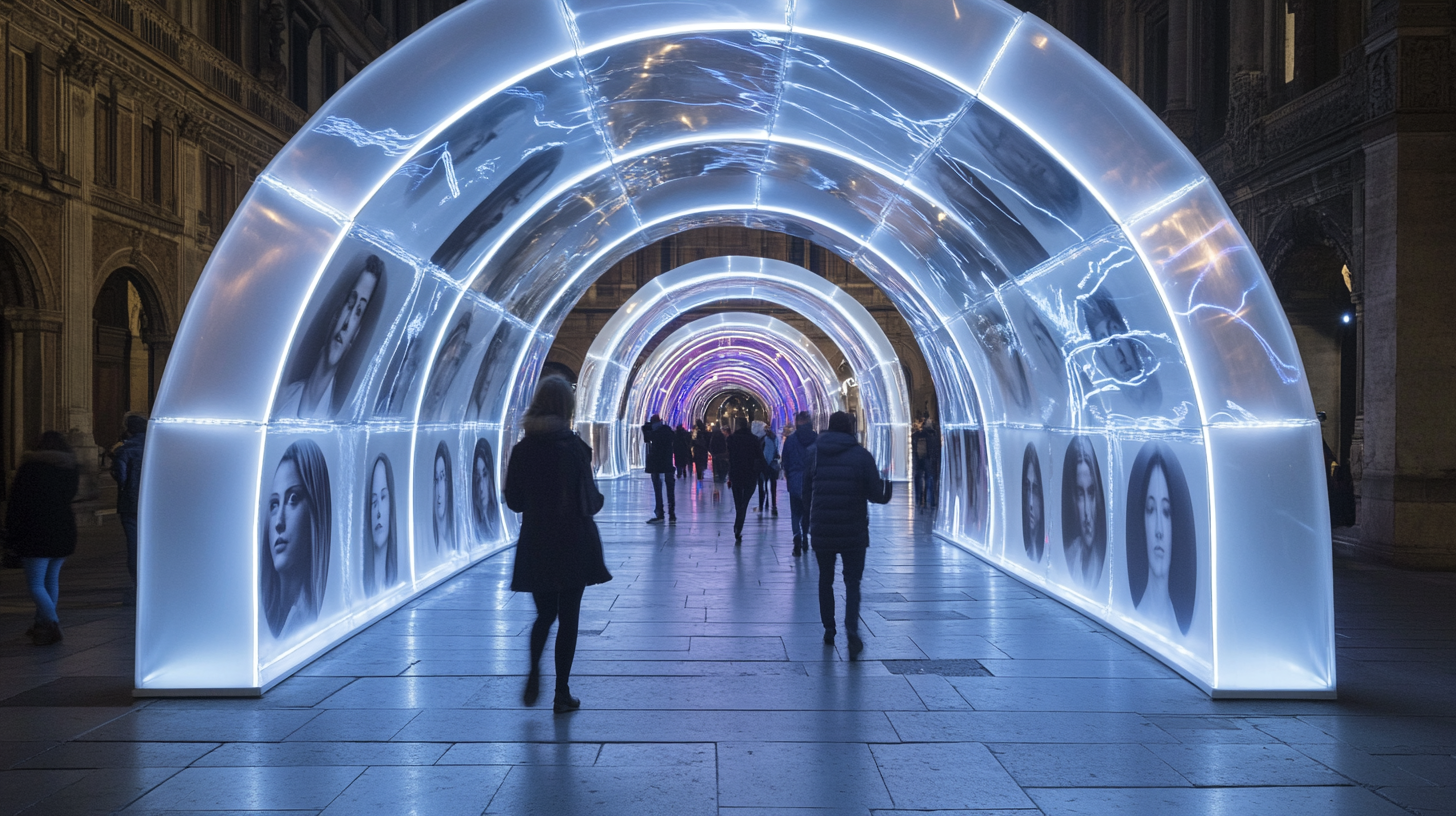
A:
{"points": [[79, 65], [158, 220], [27, 319]]}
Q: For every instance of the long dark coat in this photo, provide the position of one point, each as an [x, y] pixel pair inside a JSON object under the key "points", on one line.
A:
{"points": [[840, 481], [700, 448], [745, 457], [682, 447], [659, 438], [549, 482], [39, 521]]}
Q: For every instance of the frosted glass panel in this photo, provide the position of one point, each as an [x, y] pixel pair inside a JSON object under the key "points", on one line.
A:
{"points": [[598, 21]]}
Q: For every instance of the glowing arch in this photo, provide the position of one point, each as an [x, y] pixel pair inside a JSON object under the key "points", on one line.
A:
{"points": [[1083, 295], [761, 354], [872, 359]]}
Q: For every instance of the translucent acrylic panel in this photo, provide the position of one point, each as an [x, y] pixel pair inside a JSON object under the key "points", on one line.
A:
{"points": [[951, 266], [863, 103], [489, 392], [238, 323], [644, 173], [921, 306], [671, 87], [774, 217], [1084, 491], [385, 558], [989, 171], [440, 501], [958, 40], [195, 602], [1238, 340], [1009, 395], [1162, 582], [1089, 119], [466, 184], [1030, 512], [405, 352], [598, 21], [365, 130], [483, 527], [1040, 350], [447, 393], [358, 304], [1275, 625], [542, 264], [846, 181], [965, 492], [955, 389], [1125, 364]]}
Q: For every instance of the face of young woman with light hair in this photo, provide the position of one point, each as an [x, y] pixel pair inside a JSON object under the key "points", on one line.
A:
{"points": [[380, 510], [290, 523], [1158, 524]]}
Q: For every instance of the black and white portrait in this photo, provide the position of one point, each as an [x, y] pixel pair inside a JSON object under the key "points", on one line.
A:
{"points": [[447, 366], [1033, 504], [449, 166], [1003, 353], [381, 544], [1025, 165], [294, 552], [1121, 358], [483, 505], [327, 358], [1084, 513], [1162, 545], [442, 508]]}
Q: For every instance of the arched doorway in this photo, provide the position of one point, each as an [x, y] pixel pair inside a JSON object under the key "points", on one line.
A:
{"points": [[28, 341], [124, 369], [730, 406]]}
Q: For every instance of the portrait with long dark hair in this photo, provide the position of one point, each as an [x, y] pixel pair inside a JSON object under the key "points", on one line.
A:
{"points": [[483, 505], [1162, 544], [487, 215], [381, 544], [447, 365], [1084, 513], [327, 358], [1033, 504], [1121, 358], [295, 541], [442, 505]]}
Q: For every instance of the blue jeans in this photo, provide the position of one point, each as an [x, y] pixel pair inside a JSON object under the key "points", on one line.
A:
{"points": [[797, 522], [43, 576], [129, 526], [657, 480]]}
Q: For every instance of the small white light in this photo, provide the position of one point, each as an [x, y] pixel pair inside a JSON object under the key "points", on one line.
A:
{"points": [[1346, 317]]}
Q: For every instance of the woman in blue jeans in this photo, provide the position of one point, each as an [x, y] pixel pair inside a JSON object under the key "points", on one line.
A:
{"points": [[41, 527]]}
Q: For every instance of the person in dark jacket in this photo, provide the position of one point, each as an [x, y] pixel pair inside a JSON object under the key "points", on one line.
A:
{"points": [[559, 553], [794, 458], [840, 480], [126, 469], [41, 527], [925, 448], [745, 463], [660, 440], [718, 446], [700, 448], [682, 450]]}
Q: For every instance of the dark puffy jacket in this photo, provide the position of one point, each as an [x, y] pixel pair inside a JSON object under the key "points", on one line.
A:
{"points": [[682, 447], [928, 441], [745, 457], [796, 456], [126, 469], [840, 481], [660, 438], [717, 444], [700, 448], [39, 521], [549, 482]]}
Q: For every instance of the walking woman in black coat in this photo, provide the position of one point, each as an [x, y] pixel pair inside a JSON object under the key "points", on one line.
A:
{"points": [[559, 554], [41, 527]]}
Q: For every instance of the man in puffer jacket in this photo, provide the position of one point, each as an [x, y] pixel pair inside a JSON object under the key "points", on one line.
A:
{"points": [[660, 438], [840, 480], [795, 458]]}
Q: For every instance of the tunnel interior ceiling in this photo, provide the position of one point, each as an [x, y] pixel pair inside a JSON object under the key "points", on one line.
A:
{"points": [[1092, 314], [607, 371]]}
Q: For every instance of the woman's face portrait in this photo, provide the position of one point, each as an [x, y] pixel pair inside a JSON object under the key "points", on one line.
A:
{"points": [[380, 503], [442, 490], [1085, 496], [1119, 357], [290, 512], [1158, 523], [351, 311], [482, 484], [1031, 489]]}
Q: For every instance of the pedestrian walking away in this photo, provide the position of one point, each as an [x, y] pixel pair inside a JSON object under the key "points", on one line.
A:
{"points": [[660, 439], [126, 469], [718, 447], [40, 527], [745, 463], [768, 478], [700, 448], [682, 450], [840, 480], [925, 444], [795, 458], [559, 553]]}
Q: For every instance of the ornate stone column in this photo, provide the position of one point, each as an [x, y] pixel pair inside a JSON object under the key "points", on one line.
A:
{"points": [[34, 382]]}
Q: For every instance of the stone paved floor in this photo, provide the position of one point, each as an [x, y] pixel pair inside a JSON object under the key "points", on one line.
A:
{"points": [[706, 690]]}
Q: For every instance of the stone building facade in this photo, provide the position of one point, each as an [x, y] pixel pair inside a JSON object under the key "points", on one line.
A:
{"points": [[132, 128]]}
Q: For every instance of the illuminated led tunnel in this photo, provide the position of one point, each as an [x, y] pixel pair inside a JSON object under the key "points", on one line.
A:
{"points": [[350, 370], [764, 356], [605, 375]]}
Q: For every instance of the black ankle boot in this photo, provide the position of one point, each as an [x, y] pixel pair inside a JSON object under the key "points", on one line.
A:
{"points": [[533, 687], [565, 702]]}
